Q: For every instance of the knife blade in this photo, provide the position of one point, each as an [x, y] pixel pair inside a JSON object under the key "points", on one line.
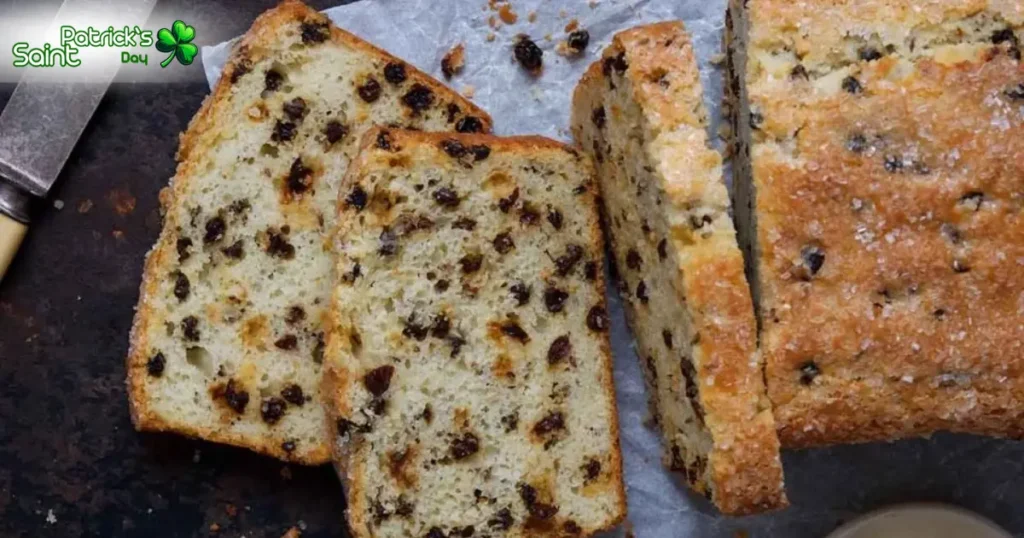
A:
{"points": [[45, 117]]}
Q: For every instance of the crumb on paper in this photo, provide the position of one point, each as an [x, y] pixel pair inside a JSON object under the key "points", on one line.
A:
{"points": [[492, 21], [547, 37], [453, 61], [718, 59], [574, 45], [573, 24], [562, 14], [293, 532], [51, 518], [491, 37], [468, 91], [532, 16], [507, 15], [85, 206], [58, 204], [122, 200]]}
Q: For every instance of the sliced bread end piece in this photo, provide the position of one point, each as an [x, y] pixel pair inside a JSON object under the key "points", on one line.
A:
{"points": [[639, 111], [468, 365]]}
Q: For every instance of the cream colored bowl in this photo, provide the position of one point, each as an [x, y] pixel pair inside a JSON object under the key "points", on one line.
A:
{"points": [[920, 521]]}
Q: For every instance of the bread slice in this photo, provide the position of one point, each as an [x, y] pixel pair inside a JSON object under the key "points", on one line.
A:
{"points": [[883, 150], [639, 111], [468, 365], [227, 340]]}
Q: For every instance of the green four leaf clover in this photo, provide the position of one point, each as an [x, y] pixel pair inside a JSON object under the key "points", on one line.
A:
{"points": [[178, 42]]}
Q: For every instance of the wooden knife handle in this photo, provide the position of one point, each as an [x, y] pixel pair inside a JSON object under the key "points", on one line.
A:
{"points": [[11, 234]]}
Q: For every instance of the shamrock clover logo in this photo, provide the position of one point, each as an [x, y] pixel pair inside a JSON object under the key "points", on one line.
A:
{"points": [[178, 42]]}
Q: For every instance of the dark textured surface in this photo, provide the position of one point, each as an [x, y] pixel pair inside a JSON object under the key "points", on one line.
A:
{"points": [[66, 441]]}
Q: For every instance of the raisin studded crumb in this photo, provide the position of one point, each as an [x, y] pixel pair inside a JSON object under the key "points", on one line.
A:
{"points": [[394, 73], [528, 54], [370, 90], [156, 364]]}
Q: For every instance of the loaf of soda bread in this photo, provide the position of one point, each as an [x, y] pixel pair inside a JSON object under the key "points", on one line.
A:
{"points": [[468, 369], [228, 340], [639, 112], [881, 201]]}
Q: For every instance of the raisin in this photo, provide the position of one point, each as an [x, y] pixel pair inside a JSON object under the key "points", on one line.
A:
{"points": [[857, 143], [156, 364], [578, 40], [597, 319], [510, 422], [553, 421], [346, 426], [893, 164], [641, 292], [288, 446], [506, 203], [235, 250], [235, 397], [441, 326], [469, 124], [852, 85], [571, 528], [428, 414], [215, 228], [464, 446], [378, 380], [663, 249], [293, 394], [295, 109], [590, 271], [580, 189], [456, 343], [537, 509], [464, 532], [240, 69], [513, 330], [299, 179], [278, 246], [502, 520], [446, 197], [1005, 35], [287, 342], [272, 409], [335, 131], [614, 63], [441, 286], [560, 349], [1016, 92], [369, 91], [555, 218], [315, 32], [480, 152], [554, 299], [418, 98], [567, 262], [435, 532], [808, 371], [384, 140], [415, 330], [813, 258], [354, 273], [464, 223], [521, 293], [388, 243], [869, 54], [633, 259], [591, 469], [503, 243], [318, 349], [190, 326], [394, 73], [528, 54], [961, 266], [356, 198], [528, 215], [471, 262], [799, 71], [181, 286], [453, 148], [284, 131], [599, 117], [183, 245], [272, 81], [666, 335]]}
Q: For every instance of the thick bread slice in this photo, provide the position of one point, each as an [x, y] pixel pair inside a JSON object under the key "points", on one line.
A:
{"points": [[468, 365], [885, 213], [639, 110], [227, 340]]}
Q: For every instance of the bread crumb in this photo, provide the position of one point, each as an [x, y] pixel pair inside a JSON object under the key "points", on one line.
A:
{"points": [[51, 518], [507, 15], [453, 61], [532, 16], [562, 14], [573, 24], [468, 91], [122, 200], [593, 4], [85, 206], [293, 532], [492, 22], [58, 204], [718, 59], [548, 37], [491, 37]]}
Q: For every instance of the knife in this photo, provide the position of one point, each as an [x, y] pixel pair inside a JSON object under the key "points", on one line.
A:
{"points": [[45, 117]]}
